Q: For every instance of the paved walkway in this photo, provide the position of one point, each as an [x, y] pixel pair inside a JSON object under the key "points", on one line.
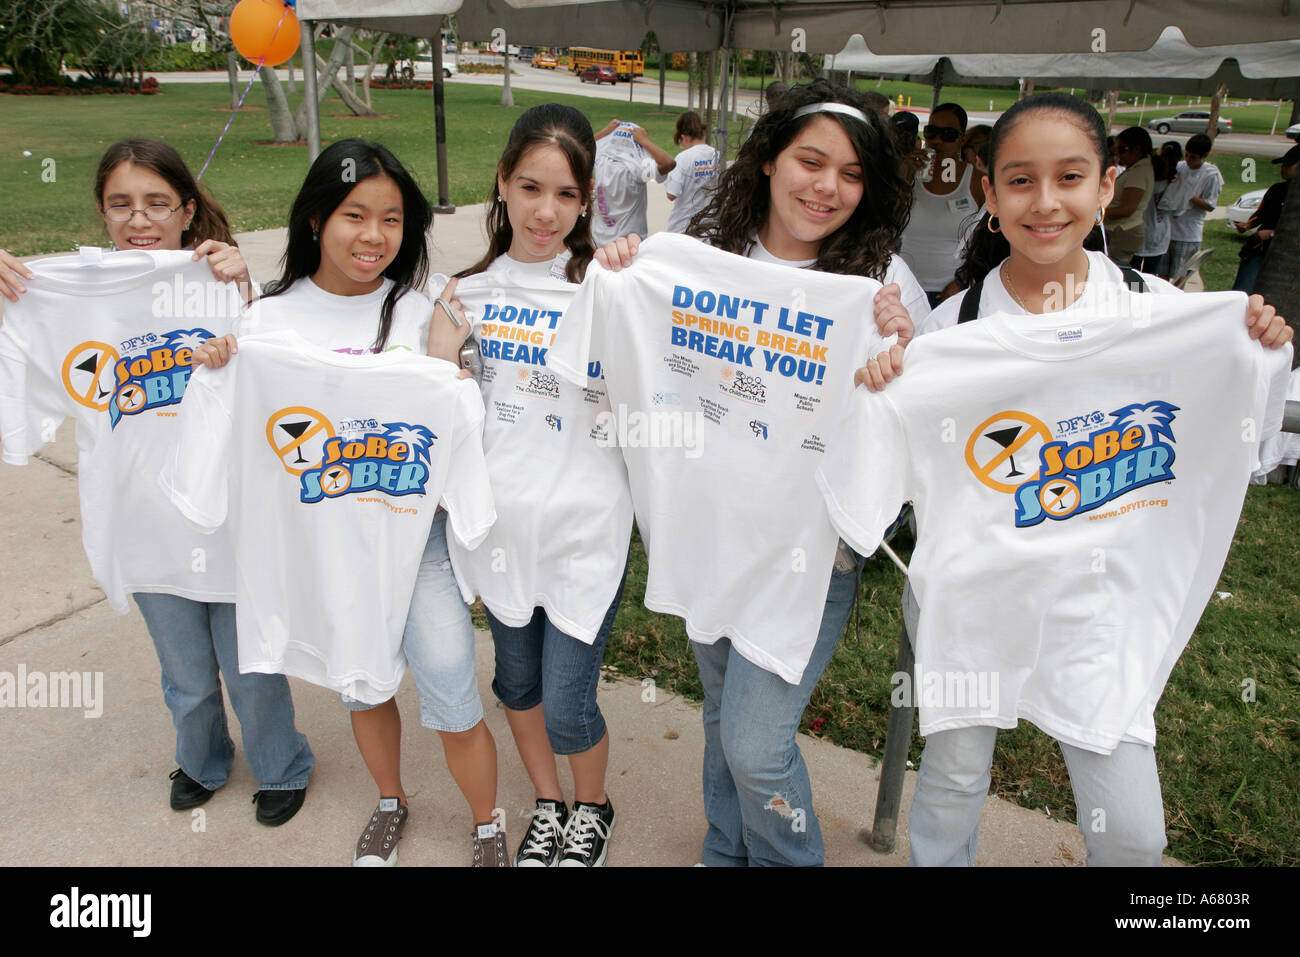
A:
{"points": [[93, 790]]}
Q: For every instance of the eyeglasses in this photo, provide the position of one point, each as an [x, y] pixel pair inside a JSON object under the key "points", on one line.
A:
{"points": [[157, 213], [945, 133]]}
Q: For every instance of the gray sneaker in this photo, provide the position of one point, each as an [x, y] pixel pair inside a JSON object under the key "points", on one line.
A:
{"points": [[377, 846], [490, 847]]}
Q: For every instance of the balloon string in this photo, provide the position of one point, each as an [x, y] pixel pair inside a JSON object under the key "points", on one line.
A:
{"points": [[238, 106]]}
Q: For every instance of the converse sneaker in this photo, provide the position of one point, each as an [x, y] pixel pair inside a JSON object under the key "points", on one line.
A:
{"points": [[586, 838], [542, 844], [490, 847], [377, 846]]}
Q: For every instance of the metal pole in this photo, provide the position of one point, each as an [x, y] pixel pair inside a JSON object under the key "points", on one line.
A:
{"points": [[309, 89], [898, 740], [444, 204], [722, 105]]}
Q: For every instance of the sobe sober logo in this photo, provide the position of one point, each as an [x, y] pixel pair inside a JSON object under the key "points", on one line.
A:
{"points": [[1059, 479], [147, 372], [392, 457]]}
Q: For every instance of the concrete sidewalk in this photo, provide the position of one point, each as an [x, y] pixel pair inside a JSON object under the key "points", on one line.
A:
{"points": [[93, 790]]}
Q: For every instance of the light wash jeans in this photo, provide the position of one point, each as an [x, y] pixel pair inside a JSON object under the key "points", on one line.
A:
{"points": [[1117, 795], [196, 647], [757, 795]]}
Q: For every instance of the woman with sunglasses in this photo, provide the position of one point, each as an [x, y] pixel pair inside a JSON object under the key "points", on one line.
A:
{"points": [[946, 194]]}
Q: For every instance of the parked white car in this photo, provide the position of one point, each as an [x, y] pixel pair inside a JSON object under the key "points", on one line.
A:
{"points": [[1244, 208], [422, 66]]}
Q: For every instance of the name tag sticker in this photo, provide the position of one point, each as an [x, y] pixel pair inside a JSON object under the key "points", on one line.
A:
{"points": [[963, 204]]}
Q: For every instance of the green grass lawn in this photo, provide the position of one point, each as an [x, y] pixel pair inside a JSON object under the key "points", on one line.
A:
{"points": [[255, 181], [1231, 769]]}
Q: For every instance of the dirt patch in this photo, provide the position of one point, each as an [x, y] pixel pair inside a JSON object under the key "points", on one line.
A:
{"points": [[242, 109]]}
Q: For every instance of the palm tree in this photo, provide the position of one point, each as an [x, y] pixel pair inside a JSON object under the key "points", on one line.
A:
{"points": [[416, 437], [1154, 417]]}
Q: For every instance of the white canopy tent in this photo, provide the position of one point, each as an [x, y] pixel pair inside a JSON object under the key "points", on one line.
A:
{"points": [[1172, 65]]}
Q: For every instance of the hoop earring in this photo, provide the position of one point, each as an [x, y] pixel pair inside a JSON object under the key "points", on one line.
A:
{"points": [[1100, 215], [991, 228]]}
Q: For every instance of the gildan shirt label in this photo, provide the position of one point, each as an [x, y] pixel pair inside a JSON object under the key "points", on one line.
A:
{"points": [[1077, 481], [327, 469], [564, 508], [107, 339], [725, 376]]}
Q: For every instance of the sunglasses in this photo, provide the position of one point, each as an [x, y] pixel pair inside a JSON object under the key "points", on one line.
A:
{"points": [[945, 133]]}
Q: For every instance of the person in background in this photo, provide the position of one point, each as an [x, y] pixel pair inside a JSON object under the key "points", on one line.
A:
{"points": [[696, 172], [1265, 217], [626, 159], [1201, 182], [1125, 225], [971, 144], [1150, 257], [942, 203]]}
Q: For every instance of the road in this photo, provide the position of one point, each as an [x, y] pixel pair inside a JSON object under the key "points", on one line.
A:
{"points": [[646, 90]]}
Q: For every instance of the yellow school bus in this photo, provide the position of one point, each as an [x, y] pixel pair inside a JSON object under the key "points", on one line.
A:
{"points": [[626, 63]]}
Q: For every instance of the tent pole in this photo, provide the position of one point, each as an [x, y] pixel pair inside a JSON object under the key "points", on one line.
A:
{"points": [[444, 204], [936, 83], [722, 103], [309, 89]]}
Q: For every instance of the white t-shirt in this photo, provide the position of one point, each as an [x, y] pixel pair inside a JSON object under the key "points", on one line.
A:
{"points": [[691, 182], [724, 374], [327, 469], [348, 324], [913, 296], [1077, 478], [1205, 182], [936, 229], [564, 510], [107, 339], [996, 298], [622, 169]]}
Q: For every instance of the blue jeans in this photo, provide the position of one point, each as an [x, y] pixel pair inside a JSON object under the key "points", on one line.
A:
{"points": [[1247, 273], [438, 642], [757, 796], [539, 664], [1117, 796], [196, 646]]}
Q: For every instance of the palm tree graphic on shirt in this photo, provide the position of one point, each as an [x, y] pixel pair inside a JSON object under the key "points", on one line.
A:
{"points": [[1154, 418], [417, 439], [187, 338]]}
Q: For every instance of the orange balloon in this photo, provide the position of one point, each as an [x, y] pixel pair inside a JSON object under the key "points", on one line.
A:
{"points": [[264, 31]]}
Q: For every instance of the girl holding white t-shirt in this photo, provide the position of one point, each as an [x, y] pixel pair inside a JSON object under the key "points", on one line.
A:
{"points": [[149, 200], [1051, 181], [355, 256], [551, 571], [817, 185]]}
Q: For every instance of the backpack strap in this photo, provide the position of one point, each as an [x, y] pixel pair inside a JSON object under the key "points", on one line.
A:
{"points": [[1133, 279], [970, 303]]}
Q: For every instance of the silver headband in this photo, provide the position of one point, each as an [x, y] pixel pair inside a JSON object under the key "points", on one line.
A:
{"points": [[831, 107]]}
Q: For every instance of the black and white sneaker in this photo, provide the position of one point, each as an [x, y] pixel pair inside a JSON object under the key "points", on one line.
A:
{"points": [[586, 837], [544, 840]]}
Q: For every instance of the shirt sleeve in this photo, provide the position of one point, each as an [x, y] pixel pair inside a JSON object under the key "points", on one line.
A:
{"points": [[915, 301], [579, 337], [864, 479], [467, 494], [1213, 186], [31, 407], [1275, 381], [675, 184], [196, 477]]}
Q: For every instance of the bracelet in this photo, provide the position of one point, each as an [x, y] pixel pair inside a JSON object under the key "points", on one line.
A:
{"points": [[451, 313]]}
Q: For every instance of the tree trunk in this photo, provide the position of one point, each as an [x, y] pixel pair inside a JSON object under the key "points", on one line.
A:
{"points": [[373, 58], [663, 80], [1279, 279], [692, 84], [345, 91], [708, 95], [324, 77], [232, 74], [1112, 103], [1215, 102], [282, 124], [1295, 113], [293, 86]]}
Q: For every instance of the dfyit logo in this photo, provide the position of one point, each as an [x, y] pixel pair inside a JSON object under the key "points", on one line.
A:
{"points": [[78, 910], [157, 378], [396, 462]]}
